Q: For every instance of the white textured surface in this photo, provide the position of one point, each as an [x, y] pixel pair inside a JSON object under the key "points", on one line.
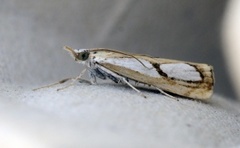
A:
{"points": [[107, 115]]}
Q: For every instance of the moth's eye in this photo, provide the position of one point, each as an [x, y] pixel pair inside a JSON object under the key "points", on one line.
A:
{"points": [[83, 56]]}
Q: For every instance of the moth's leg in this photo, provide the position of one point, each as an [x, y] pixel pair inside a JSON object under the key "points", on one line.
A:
{"points": [[166, 94], [138, 91], [82, 80], [74, 80], [92, 76], [51, 85]]}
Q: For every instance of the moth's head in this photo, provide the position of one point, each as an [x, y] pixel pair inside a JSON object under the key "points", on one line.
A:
{"points": [[78, 54]]}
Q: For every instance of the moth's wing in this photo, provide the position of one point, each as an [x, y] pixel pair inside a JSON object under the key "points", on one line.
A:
{"points": [[187, 79], [194, 80]]}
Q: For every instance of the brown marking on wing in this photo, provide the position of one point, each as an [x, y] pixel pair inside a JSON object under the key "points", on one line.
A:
{"points": [[157, 67]]}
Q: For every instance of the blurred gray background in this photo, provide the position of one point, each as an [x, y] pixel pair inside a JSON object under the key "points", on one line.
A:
{"points": [[185, 30]]}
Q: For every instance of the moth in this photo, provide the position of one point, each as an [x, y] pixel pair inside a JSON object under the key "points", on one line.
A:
{"points": [[187, 79]]}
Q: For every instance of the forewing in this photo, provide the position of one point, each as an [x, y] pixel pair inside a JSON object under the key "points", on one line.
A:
{"points": [[188, 79]]}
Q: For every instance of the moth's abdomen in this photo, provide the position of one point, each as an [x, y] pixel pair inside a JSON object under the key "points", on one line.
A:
{"points": [[103, 75]]}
